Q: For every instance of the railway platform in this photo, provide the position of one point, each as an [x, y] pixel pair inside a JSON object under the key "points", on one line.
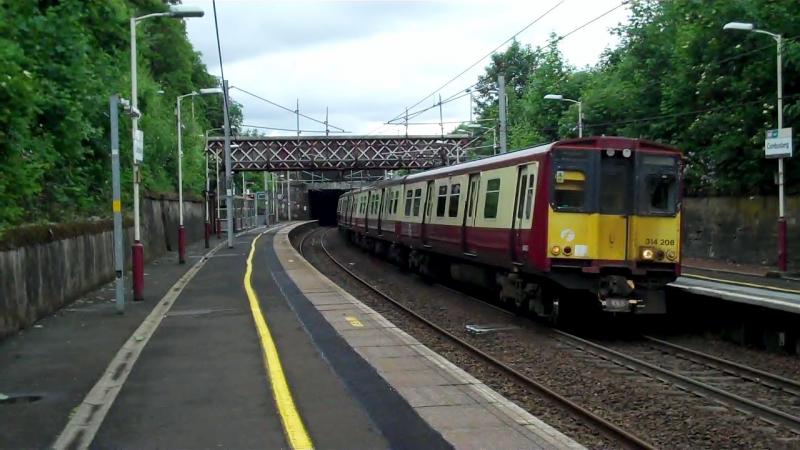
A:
{"points": [[244, 347], [747, 286]]}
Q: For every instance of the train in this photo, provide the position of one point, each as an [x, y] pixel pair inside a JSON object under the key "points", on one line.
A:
{"points": [[593, 222]]}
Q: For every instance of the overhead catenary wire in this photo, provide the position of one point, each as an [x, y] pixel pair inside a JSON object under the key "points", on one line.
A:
{"points": [[681, 114], [464, 92], [287, 109], [536, 20], [293, 130]]}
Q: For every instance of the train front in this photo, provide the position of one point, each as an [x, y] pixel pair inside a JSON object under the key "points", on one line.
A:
{"points": [[614, 224]]}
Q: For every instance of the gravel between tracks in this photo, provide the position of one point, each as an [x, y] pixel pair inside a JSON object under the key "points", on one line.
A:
{"points": [[785, 365], [655, 411]]}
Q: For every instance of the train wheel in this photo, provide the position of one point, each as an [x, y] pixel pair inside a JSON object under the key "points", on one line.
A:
{"points": [[521, 304]]}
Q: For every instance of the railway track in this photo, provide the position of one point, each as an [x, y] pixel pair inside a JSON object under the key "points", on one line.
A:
{"points": [[738, 386], [607, 428], [754, 392]]}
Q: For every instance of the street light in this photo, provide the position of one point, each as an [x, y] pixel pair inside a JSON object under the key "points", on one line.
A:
{"points": [[181, 229], [782, 233], [561, 98], [207, 224], [137, 252]]}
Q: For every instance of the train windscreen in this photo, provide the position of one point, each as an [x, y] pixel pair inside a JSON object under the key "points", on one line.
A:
{"points": [[615, 182]]}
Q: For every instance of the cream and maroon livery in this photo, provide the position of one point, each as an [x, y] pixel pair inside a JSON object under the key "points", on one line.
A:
{"points": [[599, 214]]}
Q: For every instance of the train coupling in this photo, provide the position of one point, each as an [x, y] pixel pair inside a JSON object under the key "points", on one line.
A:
{"points": [[617, 293]]}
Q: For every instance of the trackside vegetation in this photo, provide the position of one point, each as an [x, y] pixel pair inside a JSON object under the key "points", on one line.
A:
{"points": [[60, 60], [676, 78]]}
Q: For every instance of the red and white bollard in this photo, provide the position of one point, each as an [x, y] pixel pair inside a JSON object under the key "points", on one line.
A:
{"points": [[181, 244], [138, 271], [782, 244]]}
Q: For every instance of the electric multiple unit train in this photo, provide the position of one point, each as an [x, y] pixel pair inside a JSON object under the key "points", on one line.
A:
{"points": [[592, 221]]}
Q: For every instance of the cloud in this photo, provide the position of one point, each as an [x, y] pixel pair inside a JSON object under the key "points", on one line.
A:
{"points": [[367, 61]]}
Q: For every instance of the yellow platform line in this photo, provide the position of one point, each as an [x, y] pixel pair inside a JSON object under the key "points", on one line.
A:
{"points": [[293, 426], [742, 283]]}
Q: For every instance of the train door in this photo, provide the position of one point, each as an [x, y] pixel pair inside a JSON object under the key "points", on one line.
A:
{"points": [[614, 205], [426, 214], [471, 211], [523, 212], [379, 216]]}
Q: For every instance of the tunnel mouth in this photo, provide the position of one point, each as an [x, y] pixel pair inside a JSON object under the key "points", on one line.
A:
{"points": [[322, 205]]}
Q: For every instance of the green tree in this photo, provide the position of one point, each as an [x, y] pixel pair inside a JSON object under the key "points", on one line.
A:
{"points": [[59, 63]]}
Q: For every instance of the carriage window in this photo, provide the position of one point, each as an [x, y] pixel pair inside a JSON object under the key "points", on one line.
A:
{"points": [[521, 195], [529, 196], [455, 194], [395, 201], [417, 199], [569, 189], [492, 198], [409, 194], [441, 201]]}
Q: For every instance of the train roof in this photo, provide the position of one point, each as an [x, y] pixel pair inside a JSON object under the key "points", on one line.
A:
{"points": [[587, 143]]}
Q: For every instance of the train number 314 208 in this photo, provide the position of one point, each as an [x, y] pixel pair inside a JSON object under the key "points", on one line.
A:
{"points": [[667, 242]]}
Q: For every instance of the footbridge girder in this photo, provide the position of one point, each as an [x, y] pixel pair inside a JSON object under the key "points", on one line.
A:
{"points": [[342, 153]]}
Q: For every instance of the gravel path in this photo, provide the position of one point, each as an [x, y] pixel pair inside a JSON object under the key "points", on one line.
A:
{"points": [[656, 411]]}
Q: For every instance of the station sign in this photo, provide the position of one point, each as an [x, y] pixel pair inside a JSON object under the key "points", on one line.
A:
{"points": [[138, 146], [778, 143]]}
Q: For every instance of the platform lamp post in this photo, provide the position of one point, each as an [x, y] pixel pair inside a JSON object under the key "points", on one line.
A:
{"points": [[181, 228], [137, 252], [207, 224], [561, 98], [782, 232]]}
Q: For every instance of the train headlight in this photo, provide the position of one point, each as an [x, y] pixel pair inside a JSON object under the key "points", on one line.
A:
{"points": [[647, 254], [556, 250], [671, 255]]}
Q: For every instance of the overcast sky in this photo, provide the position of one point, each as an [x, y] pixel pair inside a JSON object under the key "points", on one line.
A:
{"points": [[367, 60]]}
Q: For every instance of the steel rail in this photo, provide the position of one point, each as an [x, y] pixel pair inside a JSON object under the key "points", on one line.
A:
{"points": [[762, 411], [741, 370], [609, 429]]}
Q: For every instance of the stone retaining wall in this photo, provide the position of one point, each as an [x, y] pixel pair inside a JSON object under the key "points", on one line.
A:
{"points": [[740, 230], [38, 279]]}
